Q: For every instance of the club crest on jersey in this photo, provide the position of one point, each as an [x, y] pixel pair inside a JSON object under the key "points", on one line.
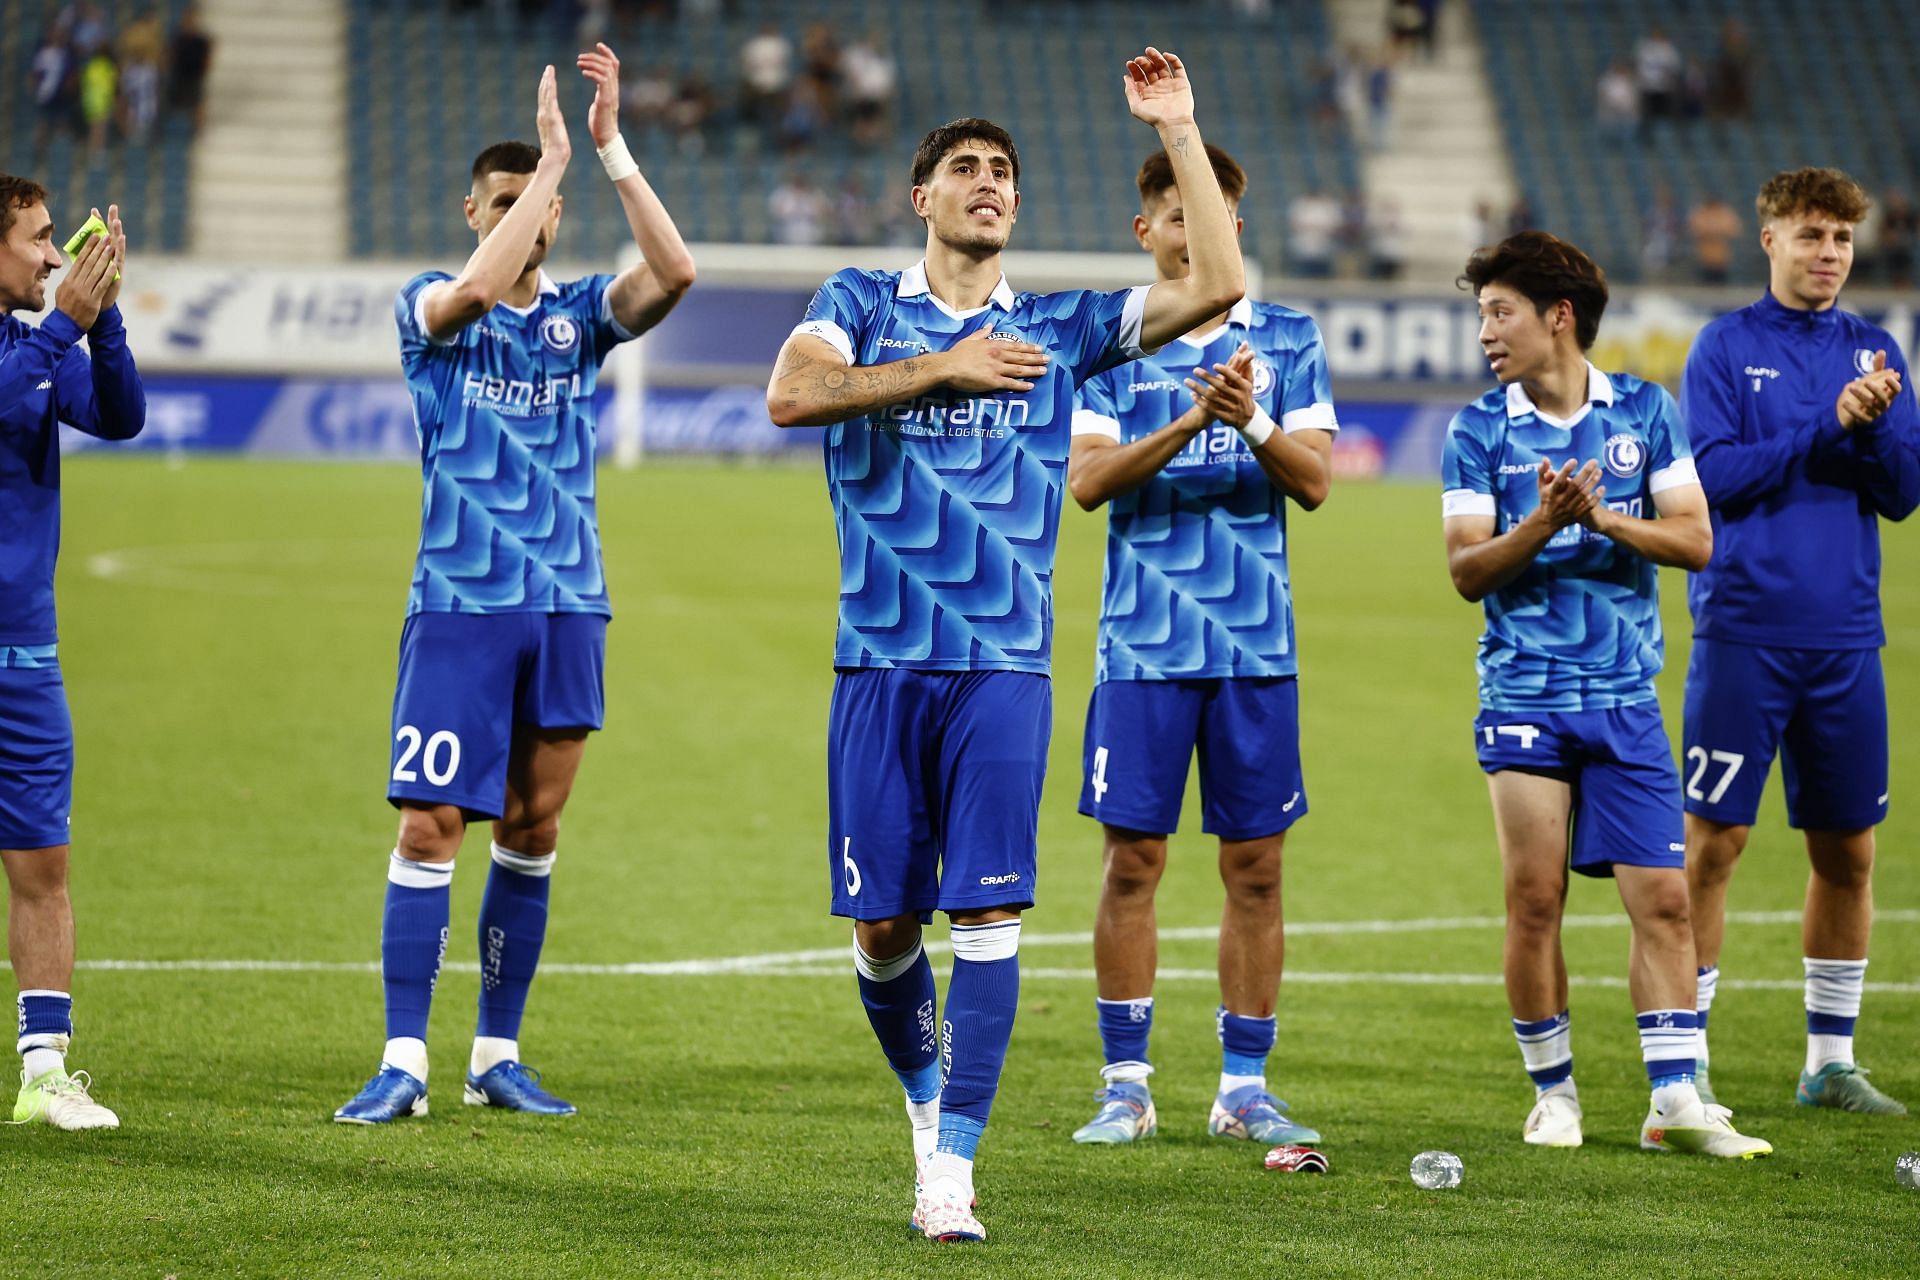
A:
{"points": [[560, 334], [1863, 361], [1262, 377], [1625, 455]]}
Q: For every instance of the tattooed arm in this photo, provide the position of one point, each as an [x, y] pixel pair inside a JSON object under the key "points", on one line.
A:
{"points": [[813, 386], [1159, 93]]}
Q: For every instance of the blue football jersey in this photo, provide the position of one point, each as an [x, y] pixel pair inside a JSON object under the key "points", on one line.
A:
{"points": [[1196, 570], [947, 506], [504, 410], [1579, 629], [1796, 497]]}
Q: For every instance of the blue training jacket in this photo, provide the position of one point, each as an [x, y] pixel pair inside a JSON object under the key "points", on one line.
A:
{"points": [[46, 380], [1796, 497]]}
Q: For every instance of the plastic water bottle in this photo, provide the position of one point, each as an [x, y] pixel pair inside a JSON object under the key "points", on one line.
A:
{"points": [[1906, 1171], [1436, 1170]]}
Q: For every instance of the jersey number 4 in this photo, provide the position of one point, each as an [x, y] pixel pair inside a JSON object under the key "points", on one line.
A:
{"points": [[439, 761]]}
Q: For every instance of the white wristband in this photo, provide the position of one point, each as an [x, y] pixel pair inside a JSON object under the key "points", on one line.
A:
{"points": [[1259, 427], [617, 159]]}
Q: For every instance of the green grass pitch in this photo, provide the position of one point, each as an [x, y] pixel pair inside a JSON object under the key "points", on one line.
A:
{"points": [[229, 634]]}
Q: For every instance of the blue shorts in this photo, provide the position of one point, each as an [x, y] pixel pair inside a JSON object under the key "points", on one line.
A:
{"points": [[36, 749], [933, 790], [1823, 710], [467, 681], [1142, 734], [1626, 792]]}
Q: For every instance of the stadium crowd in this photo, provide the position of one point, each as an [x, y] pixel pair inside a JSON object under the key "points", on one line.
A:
{"points": [[102, 84]]}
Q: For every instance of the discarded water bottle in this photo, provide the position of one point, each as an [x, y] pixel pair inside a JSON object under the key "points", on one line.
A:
{"points": [[1436, 1170], [1906, 1171]]}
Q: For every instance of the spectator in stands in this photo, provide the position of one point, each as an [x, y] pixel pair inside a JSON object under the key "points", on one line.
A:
{"points": [[1411, 23], [1714, 227], [189, 58], [1484, 227], [1379, 97], [99, 87], [1899, 229], [805, 118], [1386, 241], [820, 52], [1355, 220], [1313, 228], [649, 95], [1617, 103], [799, 210], [692, 110], [855, 220], [142, 45], [55, 83], [1521, 216], [870, 78], [1730, 81], [1657, 67], [86, 29], [766, 73], [1660, 236]]}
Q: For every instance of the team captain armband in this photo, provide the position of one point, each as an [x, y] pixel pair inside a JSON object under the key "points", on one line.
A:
{"points": [[1465, 502], [1681, 472]]}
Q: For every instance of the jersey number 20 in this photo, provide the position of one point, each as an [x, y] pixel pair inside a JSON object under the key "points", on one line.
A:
{"points": [[440, 761]]}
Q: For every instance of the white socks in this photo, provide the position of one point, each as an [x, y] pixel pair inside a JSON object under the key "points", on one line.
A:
{"points": [[925, 1119], [489, 1052], [409, 1053]]}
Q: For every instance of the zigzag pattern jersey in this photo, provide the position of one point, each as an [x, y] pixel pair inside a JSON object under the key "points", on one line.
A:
{"points": [[1579, 629], [504, 411], [948, 506], [1196, 572]]}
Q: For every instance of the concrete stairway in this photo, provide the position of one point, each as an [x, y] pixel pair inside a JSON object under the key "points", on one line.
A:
{"points": [[1445, 148], [270, 166]]}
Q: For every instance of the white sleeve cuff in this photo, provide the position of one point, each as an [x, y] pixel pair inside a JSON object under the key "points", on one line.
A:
{"points": [[1681, 471], [1133, 318], [1465, 502], [606, 316], [831, 334], [1315, 417], [420, 317], [1088, 423]]}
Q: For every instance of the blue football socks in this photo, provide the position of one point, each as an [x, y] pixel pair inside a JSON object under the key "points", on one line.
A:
{"points": [[981, 1001], [899, 999], [513, 925], [413, 941]]}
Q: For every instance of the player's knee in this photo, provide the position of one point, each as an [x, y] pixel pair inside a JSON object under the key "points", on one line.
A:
{"points": [[885, 940], [1843, 860], [1712, 850], [1533, 907], [535, 835], [1251, 873], [1665, 909], [39, 877], [430, 833], [1135, 864]]}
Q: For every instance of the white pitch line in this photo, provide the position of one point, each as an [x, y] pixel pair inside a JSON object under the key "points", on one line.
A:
{"points": [[820, 962]]}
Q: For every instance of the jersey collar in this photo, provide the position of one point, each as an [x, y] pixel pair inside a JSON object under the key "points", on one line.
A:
{"points": [[913, 284], [1241, 313], [1599, 391], [546, 286], [1778, 312]]}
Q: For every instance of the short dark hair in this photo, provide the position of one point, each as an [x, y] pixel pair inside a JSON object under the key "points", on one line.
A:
{"points": [[1543, 269], [934, 147], [506, 157], [17, 194], [1156, 174], [1827, 191]]}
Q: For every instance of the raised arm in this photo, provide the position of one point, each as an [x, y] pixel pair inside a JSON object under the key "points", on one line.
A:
{"points": [[641, 295], [1159, 93], [452, 305], [99, 393], [1100, 468], [1482, 561], [814, 384]]}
